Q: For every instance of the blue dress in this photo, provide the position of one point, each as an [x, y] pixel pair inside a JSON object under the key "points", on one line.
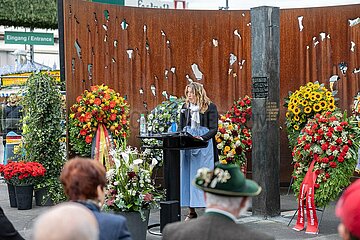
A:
{"points": [[190, 161]]}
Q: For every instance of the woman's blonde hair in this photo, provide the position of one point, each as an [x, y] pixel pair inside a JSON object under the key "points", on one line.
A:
{"points": [[201, 98]]}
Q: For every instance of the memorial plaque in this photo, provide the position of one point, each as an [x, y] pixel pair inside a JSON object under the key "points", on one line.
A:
{"points": [[272, 111], [260, 87]]}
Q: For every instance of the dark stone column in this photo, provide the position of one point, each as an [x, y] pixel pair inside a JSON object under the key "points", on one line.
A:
{"points": [[265, 57]]}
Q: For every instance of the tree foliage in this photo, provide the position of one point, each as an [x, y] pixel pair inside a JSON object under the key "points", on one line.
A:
{"points": [[29, 13]]}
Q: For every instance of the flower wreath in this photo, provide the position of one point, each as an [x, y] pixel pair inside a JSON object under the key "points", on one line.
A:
{"points": [[240, 112], [234, 137], [232, 142], [100, 105], [331, 141], [304, 104]]}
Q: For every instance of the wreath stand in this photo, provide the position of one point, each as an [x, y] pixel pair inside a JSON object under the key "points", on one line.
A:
{"points": [[291, 182], [322, 210]]}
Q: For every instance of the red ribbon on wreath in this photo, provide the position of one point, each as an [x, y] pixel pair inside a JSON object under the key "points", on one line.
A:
{"points": [[306, 194]]}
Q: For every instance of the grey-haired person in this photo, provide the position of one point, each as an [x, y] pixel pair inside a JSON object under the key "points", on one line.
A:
{"points": [[227, 194]]}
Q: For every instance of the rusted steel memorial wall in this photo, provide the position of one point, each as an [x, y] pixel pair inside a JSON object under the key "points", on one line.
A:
{"points": [[143, 52]]}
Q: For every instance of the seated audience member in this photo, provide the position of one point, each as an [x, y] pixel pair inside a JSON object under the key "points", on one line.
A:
{"points": [[66, 221], [7, 230], [227, 194], [84, 182], [348, 210]]}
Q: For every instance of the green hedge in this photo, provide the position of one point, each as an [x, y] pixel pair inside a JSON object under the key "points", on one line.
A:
{"points": [[29, 13]]}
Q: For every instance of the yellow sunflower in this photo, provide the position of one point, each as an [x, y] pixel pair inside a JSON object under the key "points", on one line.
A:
{"points": [[318, 96], [308, 89], [306, 95], [328, 94], [296, 110], [294, 101], [305, 103], [316, 86], [296, 127], [323, 104], [331, 107], [287, 115], [309, 84], [296, 118], [317, 107], [307, 109], [312, 97], [291, 107], [331, 101]]}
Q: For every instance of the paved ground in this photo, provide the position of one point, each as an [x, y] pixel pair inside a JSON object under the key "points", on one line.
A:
{"points": [[277, 226]]}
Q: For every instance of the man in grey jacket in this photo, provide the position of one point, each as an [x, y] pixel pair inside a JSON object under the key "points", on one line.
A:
{"points": [[227, 194]]}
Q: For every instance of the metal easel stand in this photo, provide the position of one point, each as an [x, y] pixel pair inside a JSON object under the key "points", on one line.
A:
{"points": [[291, 182], [322, 210]]}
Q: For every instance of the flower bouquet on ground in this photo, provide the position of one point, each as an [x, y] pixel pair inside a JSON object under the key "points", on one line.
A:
{"points": [[22, 173], [303, 104], [130, 187], [331, 141], [232, 142], [100, 105]]}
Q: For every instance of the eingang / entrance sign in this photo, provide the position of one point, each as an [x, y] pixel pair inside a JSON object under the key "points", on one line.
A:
{"points": [[30, 38]]}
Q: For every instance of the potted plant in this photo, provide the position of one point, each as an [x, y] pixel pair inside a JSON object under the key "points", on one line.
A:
{"points": [[42, 131], [130, 189], [23, 176]]}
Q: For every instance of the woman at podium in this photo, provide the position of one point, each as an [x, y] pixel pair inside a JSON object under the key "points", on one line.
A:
{"points": [[199, 117]]}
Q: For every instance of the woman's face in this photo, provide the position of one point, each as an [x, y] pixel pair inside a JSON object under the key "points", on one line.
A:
{"points": [[190, 94]]}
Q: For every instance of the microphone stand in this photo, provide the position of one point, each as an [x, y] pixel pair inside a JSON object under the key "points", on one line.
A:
{"points": [[187, 117]]}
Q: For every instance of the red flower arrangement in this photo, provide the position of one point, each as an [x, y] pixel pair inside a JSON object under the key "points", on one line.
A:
{"points": [[234, 137], [100, 105], [240, 112], [332, 142], [22, 173]]}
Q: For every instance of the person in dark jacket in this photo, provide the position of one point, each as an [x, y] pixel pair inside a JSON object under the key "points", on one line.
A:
{"points": [[12, 113], [7, 230], [84, 182], [227, 194], [199, 117]]}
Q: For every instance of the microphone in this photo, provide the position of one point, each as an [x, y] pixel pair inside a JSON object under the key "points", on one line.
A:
{"points": [[186, 110]]}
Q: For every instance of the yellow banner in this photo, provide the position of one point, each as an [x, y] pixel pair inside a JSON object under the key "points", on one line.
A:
{"points": [[20, 78]]}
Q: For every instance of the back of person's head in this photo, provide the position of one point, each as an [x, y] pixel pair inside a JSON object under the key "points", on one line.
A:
{"points": [[66, 221], [226, 202], [348, 210], [81, 177], [226, 188]]}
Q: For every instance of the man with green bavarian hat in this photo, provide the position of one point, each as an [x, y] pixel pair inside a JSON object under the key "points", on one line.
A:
{"points": [[227, 193]]}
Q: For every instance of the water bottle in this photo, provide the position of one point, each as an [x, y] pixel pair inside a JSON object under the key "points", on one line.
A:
{"points": [[143, 129], [173, 127]]}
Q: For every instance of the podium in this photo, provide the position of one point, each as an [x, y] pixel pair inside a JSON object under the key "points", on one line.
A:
{"points": [[172, 144]]}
